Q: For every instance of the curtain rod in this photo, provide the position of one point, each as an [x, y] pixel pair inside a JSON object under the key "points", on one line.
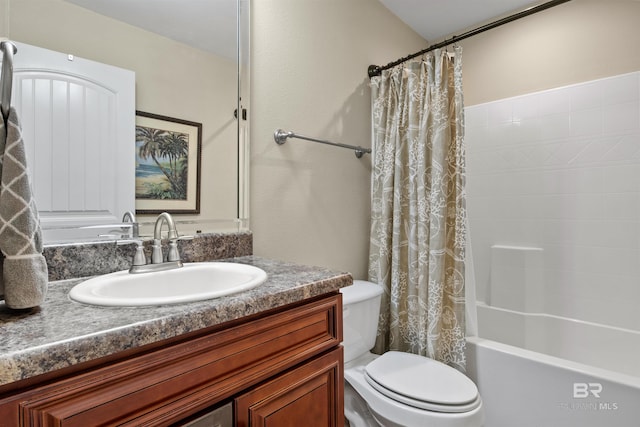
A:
{"points": [[375, 70]]}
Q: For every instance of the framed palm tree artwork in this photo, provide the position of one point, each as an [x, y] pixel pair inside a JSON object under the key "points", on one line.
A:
{"points": [[168, 154]]}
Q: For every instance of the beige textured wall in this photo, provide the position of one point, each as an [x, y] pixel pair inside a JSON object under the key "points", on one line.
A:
{"points": [[310, 202], [574, 42]]}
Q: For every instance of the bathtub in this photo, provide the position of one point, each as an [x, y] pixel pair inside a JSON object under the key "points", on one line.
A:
{"points": [[594, 344], [524, 388]]}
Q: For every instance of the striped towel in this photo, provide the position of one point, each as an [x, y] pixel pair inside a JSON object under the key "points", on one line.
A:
{"points": [[24, 269]]}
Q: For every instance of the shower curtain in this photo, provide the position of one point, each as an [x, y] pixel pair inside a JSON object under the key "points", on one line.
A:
{"points": [[418, 219]]}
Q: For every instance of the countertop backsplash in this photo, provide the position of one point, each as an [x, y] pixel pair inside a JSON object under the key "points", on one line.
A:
{"points": [[71, 261]]}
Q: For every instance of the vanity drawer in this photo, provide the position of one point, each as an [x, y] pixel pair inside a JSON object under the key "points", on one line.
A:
{"points": [[166, 385]]}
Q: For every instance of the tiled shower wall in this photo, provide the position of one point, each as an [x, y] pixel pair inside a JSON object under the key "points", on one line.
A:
{"points": [[556, 174]]}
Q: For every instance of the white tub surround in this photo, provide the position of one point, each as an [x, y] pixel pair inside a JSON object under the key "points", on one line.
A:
{"points": [[554, 211]]}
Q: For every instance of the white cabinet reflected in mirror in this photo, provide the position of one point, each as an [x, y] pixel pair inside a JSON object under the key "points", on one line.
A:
{"points": [[190, 63]]}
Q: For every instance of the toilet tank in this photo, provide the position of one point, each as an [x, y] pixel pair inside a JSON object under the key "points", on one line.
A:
{"points": [[360, 310]]}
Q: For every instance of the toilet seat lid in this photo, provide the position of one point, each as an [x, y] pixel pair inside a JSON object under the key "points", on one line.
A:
{"points": [[422, 382]]}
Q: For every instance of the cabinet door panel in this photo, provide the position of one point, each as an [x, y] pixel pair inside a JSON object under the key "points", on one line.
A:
{"points": [[310, 395]]}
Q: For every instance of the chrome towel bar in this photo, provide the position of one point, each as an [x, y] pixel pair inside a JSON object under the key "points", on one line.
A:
{"points": [[281, 137]]}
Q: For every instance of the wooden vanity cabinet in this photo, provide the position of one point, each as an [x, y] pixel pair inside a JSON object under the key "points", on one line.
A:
{"points": [[281, 369]]}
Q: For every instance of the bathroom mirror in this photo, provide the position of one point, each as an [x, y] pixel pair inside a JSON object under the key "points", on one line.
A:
{"points": [[190, 59]]}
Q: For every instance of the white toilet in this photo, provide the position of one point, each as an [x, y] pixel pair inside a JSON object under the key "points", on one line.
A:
{"points": [[398, 389]]}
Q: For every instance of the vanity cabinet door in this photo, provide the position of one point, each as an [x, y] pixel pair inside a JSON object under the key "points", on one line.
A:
{"points": [[309, 395]]}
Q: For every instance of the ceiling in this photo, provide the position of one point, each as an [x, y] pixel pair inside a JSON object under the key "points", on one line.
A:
{"points": [[210, 24], [436, 19]]}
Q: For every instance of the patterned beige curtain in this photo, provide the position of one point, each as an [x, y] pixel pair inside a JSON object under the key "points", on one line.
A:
{"points": [[418, 234]]}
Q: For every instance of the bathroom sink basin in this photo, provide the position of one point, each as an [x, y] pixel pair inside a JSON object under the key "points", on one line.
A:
{"points": [[193, 282]]}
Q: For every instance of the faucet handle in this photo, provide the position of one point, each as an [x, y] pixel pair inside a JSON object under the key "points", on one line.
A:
{"points": [[156, 252], [173, 254], [139, 257]]}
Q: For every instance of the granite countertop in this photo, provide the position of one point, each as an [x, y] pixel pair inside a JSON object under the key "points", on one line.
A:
{"points": [[62, 332]]}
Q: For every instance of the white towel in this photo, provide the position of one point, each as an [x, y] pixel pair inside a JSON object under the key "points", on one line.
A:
{"points": [[24, 270]]}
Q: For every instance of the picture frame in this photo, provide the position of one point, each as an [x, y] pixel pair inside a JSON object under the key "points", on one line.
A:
{"points": [[168, 158]]}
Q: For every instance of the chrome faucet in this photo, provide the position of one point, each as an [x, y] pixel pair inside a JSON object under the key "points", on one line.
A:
{"points": [[130, 217], [157, 258], [156, 254]]}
